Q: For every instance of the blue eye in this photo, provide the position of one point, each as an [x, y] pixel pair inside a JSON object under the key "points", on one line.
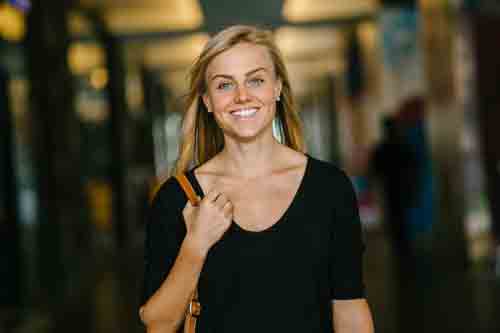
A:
{"points": [[255, 82], [225, 86]]}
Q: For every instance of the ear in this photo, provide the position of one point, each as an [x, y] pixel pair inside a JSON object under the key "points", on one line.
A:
{"points": [[206, 101]]}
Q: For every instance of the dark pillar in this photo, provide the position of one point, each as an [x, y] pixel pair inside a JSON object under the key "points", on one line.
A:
{"points": [[10, 254], [486, 27], [62, 231], [118, 111], [117, 98], [155, 104]]}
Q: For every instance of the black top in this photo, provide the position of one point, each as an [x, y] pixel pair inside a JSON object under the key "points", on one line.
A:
{"points": [[282, 279]]}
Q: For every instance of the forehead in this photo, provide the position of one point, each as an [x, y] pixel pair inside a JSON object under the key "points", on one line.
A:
{"points": [[240, 59]]}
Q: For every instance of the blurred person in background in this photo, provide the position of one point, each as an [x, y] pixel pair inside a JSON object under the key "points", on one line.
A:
{"points": [[395, 164], [275, 243]]}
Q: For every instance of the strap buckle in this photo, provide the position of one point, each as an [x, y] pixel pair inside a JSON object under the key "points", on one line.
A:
{"points": [[194, 308]]}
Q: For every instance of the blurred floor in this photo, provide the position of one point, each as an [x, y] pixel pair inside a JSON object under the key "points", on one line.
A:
{"points": [[429, 298], [424, 300]]}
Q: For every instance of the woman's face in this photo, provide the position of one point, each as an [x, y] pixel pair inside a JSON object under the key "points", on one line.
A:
{"points": [[242, 89]]}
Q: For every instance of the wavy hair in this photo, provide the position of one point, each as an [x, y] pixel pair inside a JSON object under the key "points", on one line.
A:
{"points": [[201, 138]]}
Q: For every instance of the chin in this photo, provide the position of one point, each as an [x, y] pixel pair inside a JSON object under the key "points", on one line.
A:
{"points": [[249, 135]]}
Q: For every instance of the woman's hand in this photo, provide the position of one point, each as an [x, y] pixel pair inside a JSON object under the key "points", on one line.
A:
{"points": [[207, 222]]}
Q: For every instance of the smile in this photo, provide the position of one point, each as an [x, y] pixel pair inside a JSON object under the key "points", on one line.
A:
{"points": [[244, 113]]}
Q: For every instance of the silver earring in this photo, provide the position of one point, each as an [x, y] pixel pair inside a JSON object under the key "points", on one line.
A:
{"points": [[278, 98]]}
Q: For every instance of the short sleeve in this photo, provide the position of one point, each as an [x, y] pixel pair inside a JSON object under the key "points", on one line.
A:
{"points": [[347, 246], [165, 231]]}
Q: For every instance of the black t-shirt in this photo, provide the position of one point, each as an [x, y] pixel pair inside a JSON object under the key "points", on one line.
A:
{"points": [[282, 279]]}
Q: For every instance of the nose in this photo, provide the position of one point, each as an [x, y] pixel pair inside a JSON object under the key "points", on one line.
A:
{"points": [[242, 94]]}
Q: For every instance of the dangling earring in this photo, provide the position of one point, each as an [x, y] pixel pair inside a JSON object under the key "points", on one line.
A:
{"points": [[278, 98]]}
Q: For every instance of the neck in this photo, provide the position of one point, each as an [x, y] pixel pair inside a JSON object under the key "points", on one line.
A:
{"points": [[249, 160]]}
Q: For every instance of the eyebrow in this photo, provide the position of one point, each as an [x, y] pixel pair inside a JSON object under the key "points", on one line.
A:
{"points": [[253, 71]]}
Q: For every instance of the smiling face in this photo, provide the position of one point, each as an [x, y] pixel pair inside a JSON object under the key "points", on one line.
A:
{"points": [[242, 89]]}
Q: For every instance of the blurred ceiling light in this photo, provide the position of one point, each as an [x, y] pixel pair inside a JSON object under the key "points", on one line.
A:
{"points": [[84, 57], [310, 53], [153, 16], [99, 78], [175, 52], [317, 10], [304, 42], [12, 23]]}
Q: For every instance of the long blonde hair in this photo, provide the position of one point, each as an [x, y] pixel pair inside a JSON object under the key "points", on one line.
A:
{"points": [[201, 138]]}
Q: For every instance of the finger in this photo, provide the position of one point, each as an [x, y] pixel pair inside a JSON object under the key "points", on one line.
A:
{"points": [[221, 200], [212, 195]]}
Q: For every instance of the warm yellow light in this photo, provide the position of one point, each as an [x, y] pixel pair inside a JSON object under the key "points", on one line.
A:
{"points": [[316, 10], [307, 42], [175, 52], [100, 201], [12, 23], [310, 53], [99, 78], [84, 57], [155, 16], [177, 55]]}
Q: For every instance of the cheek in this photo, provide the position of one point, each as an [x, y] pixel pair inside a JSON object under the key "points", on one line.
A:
{"points": [[219, 102], [267, 96], [269, 100]]}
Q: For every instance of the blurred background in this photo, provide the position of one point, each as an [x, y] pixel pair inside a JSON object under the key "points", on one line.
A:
{"points": [[402, 94]]}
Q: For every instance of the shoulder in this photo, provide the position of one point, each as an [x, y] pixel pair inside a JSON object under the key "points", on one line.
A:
{"points": [[164, 227], [328, 174], [336, 191], [331, 185], [169, 192]]}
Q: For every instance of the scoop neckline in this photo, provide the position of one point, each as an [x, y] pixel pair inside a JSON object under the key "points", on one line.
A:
{"points": [[236, 226]]}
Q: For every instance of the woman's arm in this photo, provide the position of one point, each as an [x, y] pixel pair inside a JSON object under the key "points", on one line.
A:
{"points": [[352, 316], [163, 313], [165, 309]]}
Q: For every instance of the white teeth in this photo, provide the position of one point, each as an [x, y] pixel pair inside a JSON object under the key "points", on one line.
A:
{"points": [[244, 112]]}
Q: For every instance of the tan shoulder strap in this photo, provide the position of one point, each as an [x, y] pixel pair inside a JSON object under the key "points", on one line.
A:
{"points": [[194, 306], [188, 188]]}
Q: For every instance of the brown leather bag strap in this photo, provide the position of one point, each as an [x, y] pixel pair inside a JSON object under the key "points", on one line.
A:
{"points": [[188, 188], [194, 306]]}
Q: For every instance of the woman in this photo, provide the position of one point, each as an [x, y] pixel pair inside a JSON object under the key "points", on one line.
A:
{"points": [[275, 243]]}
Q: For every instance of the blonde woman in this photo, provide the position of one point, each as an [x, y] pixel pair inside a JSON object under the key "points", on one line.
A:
{"points": [[275, 243]]}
